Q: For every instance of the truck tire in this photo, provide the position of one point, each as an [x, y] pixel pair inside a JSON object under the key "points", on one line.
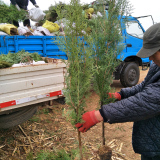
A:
{"points": [[130, 74], [17, 117]]}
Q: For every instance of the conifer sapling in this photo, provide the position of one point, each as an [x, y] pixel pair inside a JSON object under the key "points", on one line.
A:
{"points": [[107, 39], [79, 64]]}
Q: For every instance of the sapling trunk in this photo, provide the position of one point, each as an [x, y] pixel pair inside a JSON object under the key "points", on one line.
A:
{"points": [[103, 134], [103, 131], [80, 144]]}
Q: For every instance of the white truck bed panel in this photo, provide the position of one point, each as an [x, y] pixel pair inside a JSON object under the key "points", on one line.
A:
{"points": [[30, 84]]}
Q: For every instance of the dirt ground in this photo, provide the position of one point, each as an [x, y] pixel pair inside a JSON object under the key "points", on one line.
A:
{"points": [[48, 130]]}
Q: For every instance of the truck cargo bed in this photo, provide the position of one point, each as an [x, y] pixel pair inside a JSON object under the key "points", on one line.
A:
{"points": [[22, 86], [43, 45]]}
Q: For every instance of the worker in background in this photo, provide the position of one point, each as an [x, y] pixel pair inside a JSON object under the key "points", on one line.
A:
{"points": [[139, 104], [23, 4]]}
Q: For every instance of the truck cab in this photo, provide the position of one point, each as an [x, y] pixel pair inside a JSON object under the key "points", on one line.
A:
{"points": [[128, 71]]}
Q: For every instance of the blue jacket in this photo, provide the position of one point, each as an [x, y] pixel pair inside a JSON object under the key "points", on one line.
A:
{"points": [[22, 3], [140, 104]]}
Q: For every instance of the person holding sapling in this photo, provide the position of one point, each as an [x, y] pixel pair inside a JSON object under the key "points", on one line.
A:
{"points": [[23, 4], [139, 104]]}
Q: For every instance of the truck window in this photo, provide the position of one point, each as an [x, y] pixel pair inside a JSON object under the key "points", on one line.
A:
{"points": [[134, 29]]}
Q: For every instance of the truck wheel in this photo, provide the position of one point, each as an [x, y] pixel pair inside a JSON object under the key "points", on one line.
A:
{"points": [[17, 117], [130, 74]]}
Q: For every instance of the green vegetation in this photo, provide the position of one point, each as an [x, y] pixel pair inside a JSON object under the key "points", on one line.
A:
{"points": [[10, 13], [45, 110], [52, 14], [120, 128], [35, 119], [48, 121], [5, 64], [53, 155], [7, 60], [10, 140]]}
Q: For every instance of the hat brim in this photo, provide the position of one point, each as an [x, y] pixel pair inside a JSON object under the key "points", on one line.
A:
{"points": [[144, 53]]}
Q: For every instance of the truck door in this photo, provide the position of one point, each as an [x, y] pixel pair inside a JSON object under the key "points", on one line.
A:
{"points": [[134, 38]]}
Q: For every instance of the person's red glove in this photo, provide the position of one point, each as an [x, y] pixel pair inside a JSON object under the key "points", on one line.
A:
{"points": [[90, 120], [115, 95]]}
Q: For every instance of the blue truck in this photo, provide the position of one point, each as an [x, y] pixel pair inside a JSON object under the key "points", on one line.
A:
{"points": [[22, 89], [128, 71]]}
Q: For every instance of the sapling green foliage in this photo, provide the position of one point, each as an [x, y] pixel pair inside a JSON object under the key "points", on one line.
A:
{"points": [[107, 36], [4, 64], [21, 56], [53, 155], [79, 63], [10, 13]]}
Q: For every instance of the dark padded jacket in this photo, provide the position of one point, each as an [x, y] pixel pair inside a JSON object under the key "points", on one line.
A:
{"points": [[140, 104], [22, 3]]}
